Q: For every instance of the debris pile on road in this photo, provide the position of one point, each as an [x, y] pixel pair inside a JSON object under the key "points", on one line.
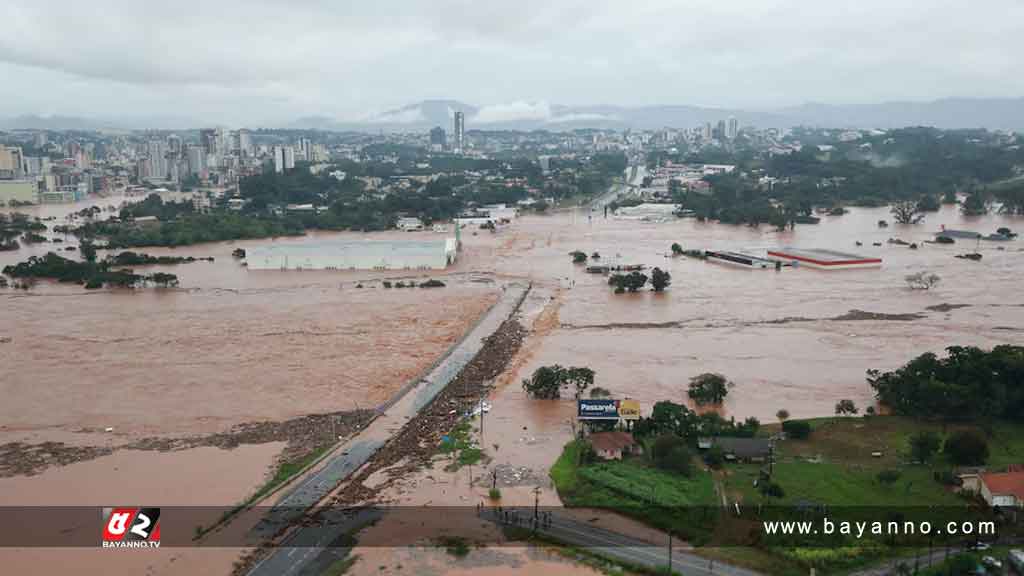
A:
{"points": [[416, 444], [509, 475]]}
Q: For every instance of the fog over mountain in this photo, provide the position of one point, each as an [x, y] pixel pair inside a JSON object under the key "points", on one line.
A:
{"points": [[528, 63], [953, 113]]}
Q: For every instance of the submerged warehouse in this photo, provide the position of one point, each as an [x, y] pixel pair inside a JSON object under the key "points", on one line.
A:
{"points": [[354, 255], [823, 259]]}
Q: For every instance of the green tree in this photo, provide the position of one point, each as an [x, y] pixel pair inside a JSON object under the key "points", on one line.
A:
{"points": [[846, 408], [888, 477], [660, 279], [669, 452], [632, 282], [797, 429], [88, 250], [676, 249], [906, 212], [976, 204], [708, 388], [545, 383], [924, 445], [966, 448]]}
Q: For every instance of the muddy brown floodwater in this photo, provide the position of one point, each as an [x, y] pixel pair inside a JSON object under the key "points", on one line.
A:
{"points": [[232, 346]]}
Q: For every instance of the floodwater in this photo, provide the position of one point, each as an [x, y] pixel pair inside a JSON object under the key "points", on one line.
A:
{"points": [[232, 345], [769, 332], [197, 477], [229, 346]]}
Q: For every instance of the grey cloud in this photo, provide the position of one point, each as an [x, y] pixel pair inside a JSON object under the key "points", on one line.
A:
{"points": [[262, 60]]}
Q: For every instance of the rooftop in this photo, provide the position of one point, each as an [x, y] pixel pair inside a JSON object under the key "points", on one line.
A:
{"points": [[611, 441], [745, 447], [822, 255], [1005, 483]]}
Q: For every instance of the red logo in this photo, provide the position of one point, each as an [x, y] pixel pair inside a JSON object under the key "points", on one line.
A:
{"points": [[131, 527]]}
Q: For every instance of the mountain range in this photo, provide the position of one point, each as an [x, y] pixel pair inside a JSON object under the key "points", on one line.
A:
{"points": [[949, 113]]}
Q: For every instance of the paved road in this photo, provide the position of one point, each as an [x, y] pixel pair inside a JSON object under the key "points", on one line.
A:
{"points": [[627, 549], [358, 450], [635, 176]]}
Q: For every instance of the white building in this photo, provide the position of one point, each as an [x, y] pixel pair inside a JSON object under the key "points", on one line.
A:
{"points": [[244, 142], [18, 191], [353, 255], [409, 224]]}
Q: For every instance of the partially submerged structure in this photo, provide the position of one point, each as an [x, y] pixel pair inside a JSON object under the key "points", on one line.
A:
{"points": [[354, 255], [823, 259], [741, 259]]}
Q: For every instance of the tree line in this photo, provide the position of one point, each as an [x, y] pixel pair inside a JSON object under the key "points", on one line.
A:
{"points": [[969, 384]]}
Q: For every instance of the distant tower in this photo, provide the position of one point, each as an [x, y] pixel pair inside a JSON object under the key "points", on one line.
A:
{"points": [[734, 128], [438, 140], [459, 129], [244, 142]]}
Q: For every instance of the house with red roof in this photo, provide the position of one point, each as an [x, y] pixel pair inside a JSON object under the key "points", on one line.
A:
{"points": [[1003, 489]]}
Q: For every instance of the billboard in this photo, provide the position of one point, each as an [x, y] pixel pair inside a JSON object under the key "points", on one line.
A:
{"points": [[597, 409], [607, 409], [629, 409]]}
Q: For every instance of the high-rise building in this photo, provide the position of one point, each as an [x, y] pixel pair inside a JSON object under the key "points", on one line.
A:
{"points": [[157, 159], [174, 144], [12, 162], [438, 139], [305, 149], [719, 130], [706, 132], [208, 139], [244, 142], [284, 158], [459, 130], [196, 160], [734, 128]]}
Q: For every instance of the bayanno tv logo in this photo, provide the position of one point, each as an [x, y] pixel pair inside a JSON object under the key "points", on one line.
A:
{"points": [[131, 527]]}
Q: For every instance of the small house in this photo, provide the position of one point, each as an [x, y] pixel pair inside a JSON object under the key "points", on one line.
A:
{"points": [[1003, 489], [745, 449], [612, 445]]}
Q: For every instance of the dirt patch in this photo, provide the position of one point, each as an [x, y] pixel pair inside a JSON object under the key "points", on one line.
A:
{"points": [[415, 445], [853, 315], [303, 435], [946, 307]]}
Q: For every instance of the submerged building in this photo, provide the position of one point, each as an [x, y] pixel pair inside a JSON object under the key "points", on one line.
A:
{"points": [[354, 255], [823, 259]]}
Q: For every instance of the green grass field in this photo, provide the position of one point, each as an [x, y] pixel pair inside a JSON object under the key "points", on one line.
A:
{"points": [[632, 488], [836, 466]]}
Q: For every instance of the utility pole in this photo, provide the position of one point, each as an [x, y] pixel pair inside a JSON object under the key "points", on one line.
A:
{"points": [[670, 552], [536, 506]]}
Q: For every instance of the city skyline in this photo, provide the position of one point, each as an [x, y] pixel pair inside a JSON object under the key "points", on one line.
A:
{"points": [[241, 66]]}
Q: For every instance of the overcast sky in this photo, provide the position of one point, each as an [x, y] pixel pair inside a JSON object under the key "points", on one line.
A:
{"points": [[255, 61]]}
